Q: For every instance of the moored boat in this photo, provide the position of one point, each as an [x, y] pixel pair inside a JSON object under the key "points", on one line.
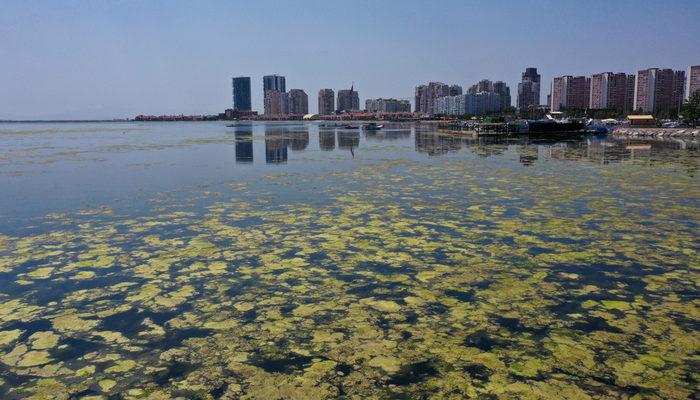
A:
{"points": [[373, 127]]}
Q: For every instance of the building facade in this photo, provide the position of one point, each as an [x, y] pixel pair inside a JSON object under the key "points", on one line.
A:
{"points": [[570, 93], [659, 91], [678, 93], [298, 102], [471, 103], [529, 89], [274, 82], [387, 105], [276, 102], [326, 101], [427, 95], [609, 91], [348, 100], [501, 89], [693, 82], [629, 99], [241, 93], [455, 90]]}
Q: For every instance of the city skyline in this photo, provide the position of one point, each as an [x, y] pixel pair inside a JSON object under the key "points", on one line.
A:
{"points": [[119, 60]]}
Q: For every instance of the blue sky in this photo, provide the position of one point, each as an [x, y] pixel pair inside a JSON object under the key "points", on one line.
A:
{"points": [[105, 59]]}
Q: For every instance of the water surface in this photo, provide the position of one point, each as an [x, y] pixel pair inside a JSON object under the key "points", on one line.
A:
{"points": [[288, 261]]}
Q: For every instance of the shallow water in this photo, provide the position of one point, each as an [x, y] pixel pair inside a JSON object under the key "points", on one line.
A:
{"points": [[288, 261]]}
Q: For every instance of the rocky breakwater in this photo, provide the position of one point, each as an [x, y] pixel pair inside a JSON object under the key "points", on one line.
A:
{"points": [[657, 132]]}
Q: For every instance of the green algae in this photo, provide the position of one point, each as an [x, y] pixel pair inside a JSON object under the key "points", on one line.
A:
{"points": [[8, 337]]}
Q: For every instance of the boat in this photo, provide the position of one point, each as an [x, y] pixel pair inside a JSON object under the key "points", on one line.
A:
{"points": [[373, 127], [334, 125], [554, 124], [351, 127]]}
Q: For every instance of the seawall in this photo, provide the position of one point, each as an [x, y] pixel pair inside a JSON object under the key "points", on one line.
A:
{"points": [[656, 132]]}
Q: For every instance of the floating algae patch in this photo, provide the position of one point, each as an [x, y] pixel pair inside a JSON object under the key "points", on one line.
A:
{"points": [[453, 277]]}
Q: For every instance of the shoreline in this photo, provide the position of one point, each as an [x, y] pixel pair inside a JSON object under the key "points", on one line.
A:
{"points": [[647, 132]]}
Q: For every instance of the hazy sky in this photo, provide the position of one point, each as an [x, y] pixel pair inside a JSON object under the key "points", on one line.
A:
{"points": [[116, 59]]}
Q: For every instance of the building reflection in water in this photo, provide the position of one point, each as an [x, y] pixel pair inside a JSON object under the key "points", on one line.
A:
{"points": [[348, 140], [244, 143], [488, 146], [435, 144], [388, 134], [528, 154], [276, 143], [299, 139], [326, 139]]}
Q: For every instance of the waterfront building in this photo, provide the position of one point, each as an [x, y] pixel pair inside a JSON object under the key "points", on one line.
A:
{"points": [[326, 101], [644, 90], [498, 87], [529, 89], [274, 82], [387, 105], [484, 85], [426, 96], [629, 98], [455, 90], [275, 95], [471, 103], [658, 90], [609, 91], [421, 98], [298, 102], [570, 93], [276, 102], [678, 93], [693, 82], [241, 93], [348, 100], [501, 89]]}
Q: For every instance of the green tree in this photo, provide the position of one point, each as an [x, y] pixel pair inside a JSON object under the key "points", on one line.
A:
{"points": [[691, 109]]}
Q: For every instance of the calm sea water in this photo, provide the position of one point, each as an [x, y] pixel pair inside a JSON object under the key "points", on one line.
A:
{"points": [[289, 261]]}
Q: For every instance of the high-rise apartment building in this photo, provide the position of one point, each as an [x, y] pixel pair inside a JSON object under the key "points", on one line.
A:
{"points": [[629, 99], [693, 82], [484, 85], [659, 90], [387, 105], [241, 93], [570, 93], [609, 91], [427, 95], [474, 104], [501, 89], [274, 82], [326, 101], [348, 100], [529, 89], [677, 95], [276, 102], [298, 102], [275, 96], [455, 90]]}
